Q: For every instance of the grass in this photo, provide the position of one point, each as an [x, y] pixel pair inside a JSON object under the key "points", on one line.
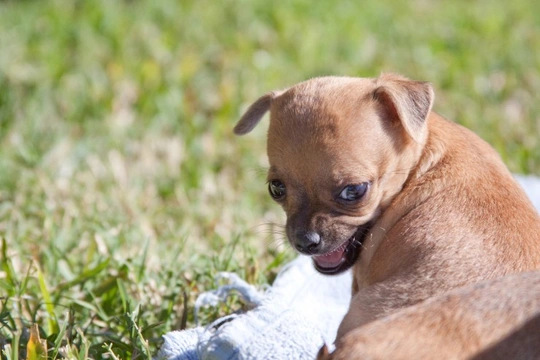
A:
{"points": [[122, 189]]}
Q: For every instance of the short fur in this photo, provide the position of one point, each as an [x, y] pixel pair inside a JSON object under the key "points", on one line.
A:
{"points": [[495, 319], [442, 210]]}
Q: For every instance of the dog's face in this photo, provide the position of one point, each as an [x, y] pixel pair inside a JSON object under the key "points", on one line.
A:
{"points": [[339, 150]]}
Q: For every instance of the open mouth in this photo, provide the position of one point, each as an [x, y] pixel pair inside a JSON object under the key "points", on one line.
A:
{"points": [[342, 258]]}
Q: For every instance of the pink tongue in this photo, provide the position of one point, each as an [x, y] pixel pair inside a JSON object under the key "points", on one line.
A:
{"points": [[332, 259]]}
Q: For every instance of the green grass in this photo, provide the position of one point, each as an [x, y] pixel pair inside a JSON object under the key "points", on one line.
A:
{"points": [[122, 189]]}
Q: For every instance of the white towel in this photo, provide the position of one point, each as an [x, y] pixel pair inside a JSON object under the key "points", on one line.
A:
{"points": [[291, 320]]}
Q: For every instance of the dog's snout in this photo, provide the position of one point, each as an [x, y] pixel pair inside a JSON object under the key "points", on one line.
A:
{"points": [[307, 242]]}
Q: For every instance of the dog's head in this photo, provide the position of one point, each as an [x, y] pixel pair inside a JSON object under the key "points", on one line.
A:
{"points": [[339, 150]]}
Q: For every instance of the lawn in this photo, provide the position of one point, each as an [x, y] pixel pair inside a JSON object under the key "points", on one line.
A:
{"points": [[122, 188]]}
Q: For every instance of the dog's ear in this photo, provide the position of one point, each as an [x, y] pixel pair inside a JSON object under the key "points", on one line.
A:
{"points": [[255, 113], [407, 100]]}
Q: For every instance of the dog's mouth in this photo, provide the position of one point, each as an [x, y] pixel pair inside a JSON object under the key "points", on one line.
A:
{"points": [[343, 257]]}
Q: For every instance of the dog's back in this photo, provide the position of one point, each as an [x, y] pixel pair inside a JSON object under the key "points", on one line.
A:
{"points": [[470, 196]]}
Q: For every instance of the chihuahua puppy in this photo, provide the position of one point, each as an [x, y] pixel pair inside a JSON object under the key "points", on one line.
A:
{"points": [[370, 177]]}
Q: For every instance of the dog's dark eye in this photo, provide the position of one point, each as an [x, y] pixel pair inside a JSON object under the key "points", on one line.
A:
{"points": [[353, 192], [276, 189]]}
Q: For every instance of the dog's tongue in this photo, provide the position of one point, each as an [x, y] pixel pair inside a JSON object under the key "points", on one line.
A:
{"points": [[331, 259]]}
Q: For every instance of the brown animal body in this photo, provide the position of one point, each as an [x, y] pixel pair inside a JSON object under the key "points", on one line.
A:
{"points": [[370, 177], [495, 319]]}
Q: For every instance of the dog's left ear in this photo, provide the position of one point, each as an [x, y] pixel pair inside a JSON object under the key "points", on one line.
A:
{"points": [[254, 113], [407, 100]]}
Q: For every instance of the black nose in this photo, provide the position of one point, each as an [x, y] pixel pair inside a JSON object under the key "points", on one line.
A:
{"points": [[307, 242]]}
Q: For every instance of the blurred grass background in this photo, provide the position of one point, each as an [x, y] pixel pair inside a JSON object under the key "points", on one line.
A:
{"points": [[122, 189]]}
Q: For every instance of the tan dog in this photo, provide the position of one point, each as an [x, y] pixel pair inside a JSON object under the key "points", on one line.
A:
{"points": [[369, 176]]}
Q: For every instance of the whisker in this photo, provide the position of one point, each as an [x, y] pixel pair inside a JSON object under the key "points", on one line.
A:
{"points": [[269, 227], [259, 171], [279, 243]]}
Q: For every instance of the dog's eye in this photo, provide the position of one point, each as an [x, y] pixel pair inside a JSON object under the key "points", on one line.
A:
{"points": [[276, 189], [353, 192]]}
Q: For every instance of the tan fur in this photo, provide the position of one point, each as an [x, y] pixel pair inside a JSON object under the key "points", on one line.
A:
{"points": [[496, 319], [444, 210]]}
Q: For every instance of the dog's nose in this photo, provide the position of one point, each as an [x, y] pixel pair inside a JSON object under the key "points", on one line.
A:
{"points": [[307, 242]]}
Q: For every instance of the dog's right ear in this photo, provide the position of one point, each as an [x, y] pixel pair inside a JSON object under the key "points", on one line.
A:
{"points": [[406, 100], [255, 113]]}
